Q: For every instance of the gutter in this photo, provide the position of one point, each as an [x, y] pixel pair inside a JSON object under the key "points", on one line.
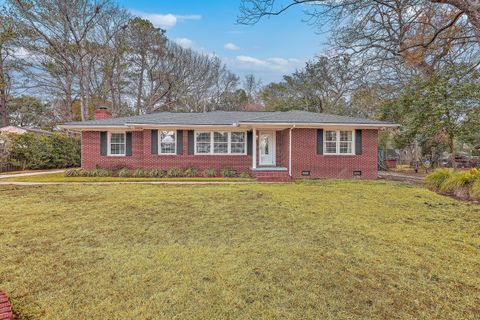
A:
{"points": [[290, 151]]}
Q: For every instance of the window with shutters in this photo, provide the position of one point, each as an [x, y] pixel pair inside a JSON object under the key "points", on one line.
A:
{"points": [[116, 143], [167, 142], [220, 142], [338, 142]]}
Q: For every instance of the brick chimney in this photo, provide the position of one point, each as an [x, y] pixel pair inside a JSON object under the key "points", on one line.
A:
{"points": [[102, 113]]}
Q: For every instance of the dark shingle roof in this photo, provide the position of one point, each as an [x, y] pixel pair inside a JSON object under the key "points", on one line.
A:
{"points": [[229, 118]]}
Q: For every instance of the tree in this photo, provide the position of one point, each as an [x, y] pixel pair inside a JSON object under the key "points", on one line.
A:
{"points": [[438, 110], [252, 11], [26, 111], [7, 37], [252, 88], [323, 85]]}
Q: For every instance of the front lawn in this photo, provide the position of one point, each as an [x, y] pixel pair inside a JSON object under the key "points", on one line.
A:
{"points": [[319, 250]]}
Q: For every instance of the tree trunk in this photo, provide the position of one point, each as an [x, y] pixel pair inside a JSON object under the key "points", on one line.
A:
{"points": [[138, 105], [68, 97], [3, 95], [451, 146]]}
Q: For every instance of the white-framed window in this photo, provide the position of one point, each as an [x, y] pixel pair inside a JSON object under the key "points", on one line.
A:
{"points": [[167, 142], [116, 143], [338, 142], [220, 142]]}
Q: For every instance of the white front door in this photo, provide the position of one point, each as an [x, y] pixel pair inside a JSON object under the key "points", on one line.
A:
{"points": [[266, 140]]}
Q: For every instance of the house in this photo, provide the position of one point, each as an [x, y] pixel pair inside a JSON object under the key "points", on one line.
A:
{"points": [[22, 130], [270, 145]]}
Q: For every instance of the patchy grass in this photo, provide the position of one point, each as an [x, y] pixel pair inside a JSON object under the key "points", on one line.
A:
{"points": [[59, 177], [317, 250]]}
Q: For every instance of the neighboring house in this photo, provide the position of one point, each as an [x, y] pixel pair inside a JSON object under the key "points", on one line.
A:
{"points": [[21, 130], [270, 145], [5, 131]]}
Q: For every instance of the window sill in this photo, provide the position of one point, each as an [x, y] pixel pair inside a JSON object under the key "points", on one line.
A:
{"points": [[220, 154]]}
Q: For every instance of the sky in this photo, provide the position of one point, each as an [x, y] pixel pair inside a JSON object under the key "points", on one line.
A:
{"points": [[270, 49]]}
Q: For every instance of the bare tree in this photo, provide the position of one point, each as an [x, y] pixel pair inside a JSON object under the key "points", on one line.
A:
{"points": [[7, 37]]}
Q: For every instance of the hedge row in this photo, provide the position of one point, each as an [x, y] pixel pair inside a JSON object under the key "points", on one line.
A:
{"points": [[33, 151], [155, 173], [462, 184]]}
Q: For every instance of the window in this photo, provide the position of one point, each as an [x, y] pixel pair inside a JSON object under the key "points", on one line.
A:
{"points": [[220, 142], [338, 142], [117, 144], [203, 142], [237, 142], [331, 142], [167, 142], [346, 141]]}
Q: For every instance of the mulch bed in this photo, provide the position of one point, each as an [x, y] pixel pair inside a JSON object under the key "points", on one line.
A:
{"points": [[6, 312]]}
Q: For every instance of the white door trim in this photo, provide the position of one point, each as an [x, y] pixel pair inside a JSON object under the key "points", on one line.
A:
{"points": [[273, 147]]}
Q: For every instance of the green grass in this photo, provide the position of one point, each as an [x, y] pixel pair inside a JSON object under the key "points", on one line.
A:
{"points": [[318, 250], [59, 177]]}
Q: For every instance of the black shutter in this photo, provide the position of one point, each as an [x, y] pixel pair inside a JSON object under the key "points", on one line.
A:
{"points": [[103, 143], [249, 142], [128, 144], [319, 141], [154, 142], [179, 141], [358, 141], [191, 142]]}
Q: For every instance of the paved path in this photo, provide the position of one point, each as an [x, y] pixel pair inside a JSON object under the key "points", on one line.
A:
{"points": [[397, 176], [14, 183], [26, 174]]}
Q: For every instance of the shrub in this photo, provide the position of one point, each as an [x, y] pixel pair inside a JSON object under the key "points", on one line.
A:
{"points": [[34, 151], [174, 173], [209, 173], [84, 173], [157, 173], [139, 173], [436, 179], [190, 172], [457, 182], [71, 173], [475, 191], [245, 175], [227, 173], [100, 173], [124, 173]]}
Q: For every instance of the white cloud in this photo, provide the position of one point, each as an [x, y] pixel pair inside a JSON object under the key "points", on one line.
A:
{"points": [[275, 64], [165, 21], [231, 46], [184, 42]]}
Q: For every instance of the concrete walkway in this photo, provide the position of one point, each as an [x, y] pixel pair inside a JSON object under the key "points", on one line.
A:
{"points": [[398, 176], [33, 173], [25, 183]]}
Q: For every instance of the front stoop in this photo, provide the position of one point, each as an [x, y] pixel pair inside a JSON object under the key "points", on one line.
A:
{"points": [[6, 312], [272, 175]]}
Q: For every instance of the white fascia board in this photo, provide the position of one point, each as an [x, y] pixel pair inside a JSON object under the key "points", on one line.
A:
{"points": [[319, 125]]}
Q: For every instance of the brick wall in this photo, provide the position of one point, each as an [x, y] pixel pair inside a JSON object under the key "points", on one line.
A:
{"points": [[304, 156]]}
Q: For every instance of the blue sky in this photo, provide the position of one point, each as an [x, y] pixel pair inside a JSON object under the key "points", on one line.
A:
{"points": [[269, 49]]}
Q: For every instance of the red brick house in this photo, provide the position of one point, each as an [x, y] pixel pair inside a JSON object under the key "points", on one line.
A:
{"points": [[269, 145]]}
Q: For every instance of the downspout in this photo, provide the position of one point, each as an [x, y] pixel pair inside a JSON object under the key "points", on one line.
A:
{"points": [[290, 151]]}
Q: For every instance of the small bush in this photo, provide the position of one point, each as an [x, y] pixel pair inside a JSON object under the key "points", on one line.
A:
{"points": [[227, 173], [124, 173], [458, 181], [436, 179], [139, 173], [174, 173], [157, 173], [209, 173], [100, 173], [245, 175], [190, 172], [475, 191], [71, 173], [84, 173]]}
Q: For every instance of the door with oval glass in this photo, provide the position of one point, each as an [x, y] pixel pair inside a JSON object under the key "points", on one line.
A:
{"points": [[267, 148]]}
